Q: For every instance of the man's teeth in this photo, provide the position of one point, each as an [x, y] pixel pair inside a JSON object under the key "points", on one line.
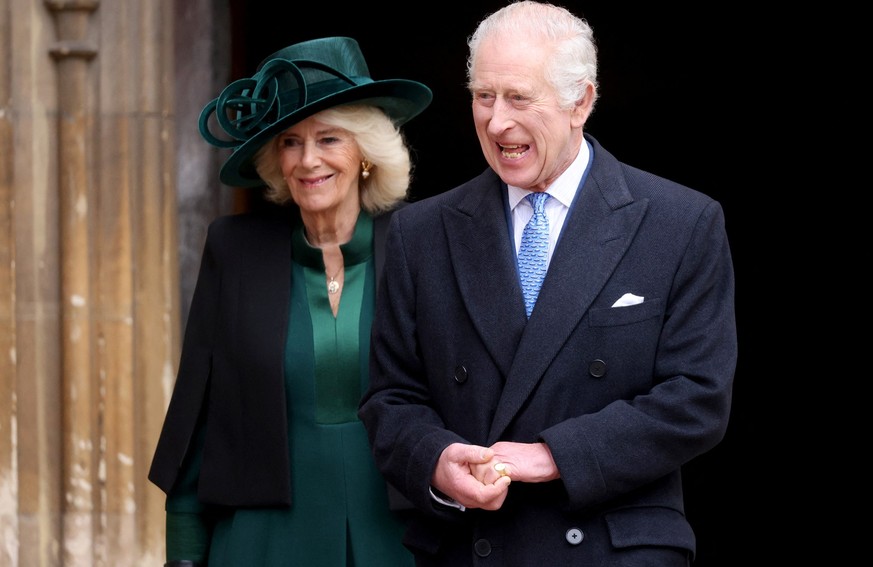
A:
{"points": [[507, 151]]}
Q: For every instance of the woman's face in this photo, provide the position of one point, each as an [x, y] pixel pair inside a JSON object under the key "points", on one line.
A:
{"points": [[321, 165]]}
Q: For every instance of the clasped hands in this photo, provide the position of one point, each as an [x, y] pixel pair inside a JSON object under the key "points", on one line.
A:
{"points": [[467, 473]]}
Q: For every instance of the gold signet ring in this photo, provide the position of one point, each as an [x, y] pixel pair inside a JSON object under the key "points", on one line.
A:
{"points": [[501, 469]]}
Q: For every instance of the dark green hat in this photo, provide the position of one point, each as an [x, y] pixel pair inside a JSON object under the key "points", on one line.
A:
{"points": [[295, 83]]}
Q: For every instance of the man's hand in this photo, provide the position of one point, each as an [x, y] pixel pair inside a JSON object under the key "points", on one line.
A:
{"points": [[466, 474], [527, 462]]}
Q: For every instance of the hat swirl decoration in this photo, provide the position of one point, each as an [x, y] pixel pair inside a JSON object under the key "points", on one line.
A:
{"points": [[244, 107], [293, 84]]}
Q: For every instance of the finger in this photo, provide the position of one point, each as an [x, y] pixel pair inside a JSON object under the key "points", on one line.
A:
{"points": [[479, 454]]}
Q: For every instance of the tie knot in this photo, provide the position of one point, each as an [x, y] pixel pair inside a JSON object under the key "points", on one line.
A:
{"points": [[537, 201]]}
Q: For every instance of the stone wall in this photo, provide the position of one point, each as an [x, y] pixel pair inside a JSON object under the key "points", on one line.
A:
{"points": [[98, 254]]}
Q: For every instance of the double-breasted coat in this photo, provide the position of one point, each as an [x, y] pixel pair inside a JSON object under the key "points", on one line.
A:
{"points": [[623, 396]]}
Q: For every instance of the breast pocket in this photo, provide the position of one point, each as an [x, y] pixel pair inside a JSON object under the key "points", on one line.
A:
{"points": [[628, 315]]}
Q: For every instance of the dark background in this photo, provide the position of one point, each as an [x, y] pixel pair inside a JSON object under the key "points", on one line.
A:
{"points": [[691, 94]]}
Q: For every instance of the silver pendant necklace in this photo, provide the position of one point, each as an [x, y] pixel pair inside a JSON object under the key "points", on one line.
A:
{"points": [[333, 285]]}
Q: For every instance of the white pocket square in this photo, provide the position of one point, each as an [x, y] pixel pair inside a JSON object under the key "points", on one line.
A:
{"points": [[628, 299]]}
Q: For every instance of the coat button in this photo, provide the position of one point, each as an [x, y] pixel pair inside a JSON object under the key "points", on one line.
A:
{"points": [[574, 536], [597, 368], [460, 374], [482, 547]]}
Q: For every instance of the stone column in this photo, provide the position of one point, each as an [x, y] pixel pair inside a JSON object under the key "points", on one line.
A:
{"points": [[73, 52]]}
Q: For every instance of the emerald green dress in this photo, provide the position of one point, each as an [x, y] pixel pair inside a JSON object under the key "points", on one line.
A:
{"points": [[339, 516]]}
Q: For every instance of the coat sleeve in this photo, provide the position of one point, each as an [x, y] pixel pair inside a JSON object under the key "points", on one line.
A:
{"points": [[195, 364]]}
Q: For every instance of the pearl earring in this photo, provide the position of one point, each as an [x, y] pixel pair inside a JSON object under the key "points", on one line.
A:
{"points": [[365, 168]]}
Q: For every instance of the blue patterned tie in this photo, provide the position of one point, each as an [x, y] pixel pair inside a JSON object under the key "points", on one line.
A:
{"points": [[534, 251]]}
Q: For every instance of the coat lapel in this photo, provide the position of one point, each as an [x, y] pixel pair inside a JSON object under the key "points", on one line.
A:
{"points": [[484, 267]]}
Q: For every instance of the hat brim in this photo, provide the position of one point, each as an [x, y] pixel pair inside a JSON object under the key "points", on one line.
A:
{"points": [[400, 99]]}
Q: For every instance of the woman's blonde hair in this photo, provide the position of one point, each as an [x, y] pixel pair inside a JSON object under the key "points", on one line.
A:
{"points": [[381, 143]]}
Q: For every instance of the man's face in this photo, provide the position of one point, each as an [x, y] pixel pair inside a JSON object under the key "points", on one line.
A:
{"points": [[525, 136]]}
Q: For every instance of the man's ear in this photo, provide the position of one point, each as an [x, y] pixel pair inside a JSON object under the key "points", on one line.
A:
{"points": [[584, 106]]}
